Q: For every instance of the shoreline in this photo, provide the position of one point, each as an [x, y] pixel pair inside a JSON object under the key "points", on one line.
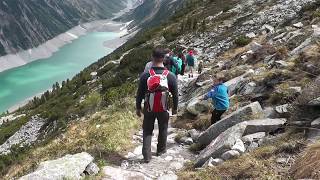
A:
{"points": [[123, 36], [53, 45]]}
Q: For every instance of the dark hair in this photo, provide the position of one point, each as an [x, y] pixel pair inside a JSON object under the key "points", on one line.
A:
{"points": [[158, 53]]}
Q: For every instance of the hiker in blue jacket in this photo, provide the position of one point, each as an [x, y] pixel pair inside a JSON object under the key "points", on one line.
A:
{"points": [[220, 98]]}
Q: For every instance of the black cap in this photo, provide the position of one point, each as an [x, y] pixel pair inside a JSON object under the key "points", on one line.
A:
{"points": [[158, 53]]}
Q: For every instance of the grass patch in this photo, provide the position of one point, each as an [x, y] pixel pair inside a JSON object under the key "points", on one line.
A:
{"points": [[258, 164], [105, 135], [242, 41]]}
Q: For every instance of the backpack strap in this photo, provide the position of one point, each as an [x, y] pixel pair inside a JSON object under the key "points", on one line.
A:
{"points": [[165, 73], [152, 72]]}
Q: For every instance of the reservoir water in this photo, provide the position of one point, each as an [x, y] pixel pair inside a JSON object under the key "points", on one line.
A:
{"points": [[21, 83]]}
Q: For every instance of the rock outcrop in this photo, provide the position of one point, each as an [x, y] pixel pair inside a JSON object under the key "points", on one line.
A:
{"points": [[251, 111], [67, 167]]}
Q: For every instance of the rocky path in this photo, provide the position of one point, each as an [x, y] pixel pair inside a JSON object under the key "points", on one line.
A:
{"points": [[163, 167]]}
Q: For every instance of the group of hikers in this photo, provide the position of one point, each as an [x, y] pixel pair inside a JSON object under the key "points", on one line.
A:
{"points": [[157, 82]]}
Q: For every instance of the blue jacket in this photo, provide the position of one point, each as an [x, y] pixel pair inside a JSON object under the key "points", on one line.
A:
{"points": [[220, 97]]}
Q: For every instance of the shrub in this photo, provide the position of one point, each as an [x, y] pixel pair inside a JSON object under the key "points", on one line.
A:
{"points": [[242, 41], [114, 94]]}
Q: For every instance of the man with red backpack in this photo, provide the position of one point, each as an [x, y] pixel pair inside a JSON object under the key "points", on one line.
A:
{"points": [[154, 88]]}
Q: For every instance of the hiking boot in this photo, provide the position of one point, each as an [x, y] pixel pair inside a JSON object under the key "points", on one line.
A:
{"points": [[160, 153], [146, 161]]}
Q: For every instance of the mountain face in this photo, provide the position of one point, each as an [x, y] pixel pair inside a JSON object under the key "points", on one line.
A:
{"points": [[28, 23], [153, 12]]}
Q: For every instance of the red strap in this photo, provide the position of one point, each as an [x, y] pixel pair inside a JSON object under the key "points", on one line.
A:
{"points": [[165, 73], [152, 72]]}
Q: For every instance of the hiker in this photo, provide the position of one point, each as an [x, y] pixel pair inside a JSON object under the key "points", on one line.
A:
{"points": [[149, 66], [176, 69], [184, 62], [220, 98], [154, 88], [191, 63], [169, 62], [200, 67]]}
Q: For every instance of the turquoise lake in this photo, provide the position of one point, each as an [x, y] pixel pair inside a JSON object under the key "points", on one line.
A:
{"points": [[21, 83]]}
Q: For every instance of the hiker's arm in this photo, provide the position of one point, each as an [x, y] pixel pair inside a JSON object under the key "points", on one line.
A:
{"points": [[141, 92], [210, 94], [173, 86], [176, 66]]}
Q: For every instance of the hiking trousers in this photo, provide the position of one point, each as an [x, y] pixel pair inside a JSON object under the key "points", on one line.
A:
{"points": [[148, 127], [216, 115]]}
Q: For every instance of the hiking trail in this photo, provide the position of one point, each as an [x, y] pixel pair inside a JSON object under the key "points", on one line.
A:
{"points": [[163, 167]]}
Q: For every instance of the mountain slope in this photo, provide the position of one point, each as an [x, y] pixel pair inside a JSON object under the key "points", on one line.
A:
{"points": [[27, 24]]}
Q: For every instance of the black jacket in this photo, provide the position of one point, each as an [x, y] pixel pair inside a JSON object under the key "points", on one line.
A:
{"points": [[142, 89]]}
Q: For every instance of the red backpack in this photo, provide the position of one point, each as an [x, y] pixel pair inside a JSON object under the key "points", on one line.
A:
{"points": [[158, 91]]}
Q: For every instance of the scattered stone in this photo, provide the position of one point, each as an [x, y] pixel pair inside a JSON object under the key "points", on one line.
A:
{"points": [[281, 64], [297, 90], [264, 125], [298, 25], [268, 28], [213, 162], [125, 164], [282, 109], [138, 150], [251, 35], [248, 88], [92, 169], [316, 123], [118, 173], [255, 46], [239, 146], [315, 102], [168, 158], [67, 167], [270, 112], [186, 140], [25, 136], [221, 144], [248, 112], [281, 160], [168, 177], [176, 165], [252, 137], [230, 155], [252, 146]]}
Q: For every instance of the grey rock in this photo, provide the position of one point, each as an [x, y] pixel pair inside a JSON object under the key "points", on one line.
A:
{"points": [[234, 83], [230, 155], [255, 46], [67, 167], [297, 90], [186, 140], [264, 125], [315, 102], [176, 165], [316, 123], [270, 112], [25, 136], [252, 137], [221, 144], [268, 28], [281, 64], [248, 88], [252, 146], [213, 162], [282, 109], [281, 160], [196, 106], [248, 112], [298, 25], [251, 35], [194, 134], [239, 146], [92, 169]]}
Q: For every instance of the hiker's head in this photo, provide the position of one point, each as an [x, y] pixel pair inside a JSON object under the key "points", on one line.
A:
{"points": [[218, 79], [191, 53], [158, 55]]}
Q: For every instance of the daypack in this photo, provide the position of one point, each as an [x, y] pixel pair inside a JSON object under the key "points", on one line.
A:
{"points": [[158, 91], [179, 62]]}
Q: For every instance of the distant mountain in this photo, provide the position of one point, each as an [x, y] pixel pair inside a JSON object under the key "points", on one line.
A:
{"points": [[28, 23], [153, 12]]}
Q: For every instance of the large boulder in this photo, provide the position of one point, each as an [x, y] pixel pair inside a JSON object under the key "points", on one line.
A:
{"points": [[264, 125], [197, 106], [67, 167], [223, 143], [237, 82], [251, 111]]}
